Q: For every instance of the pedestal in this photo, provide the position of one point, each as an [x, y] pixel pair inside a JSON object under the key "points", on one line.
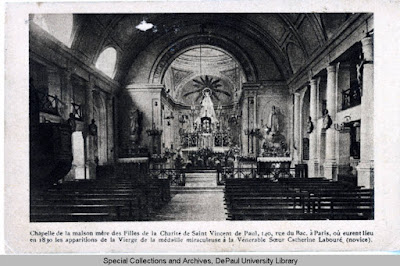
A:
{"points": [[92, 154], [313, 168], [330, 170], [365, 174], [78, 164]]}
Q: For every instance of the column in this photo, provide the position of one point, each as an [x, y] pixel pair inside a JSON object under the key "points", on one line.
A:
{"points": [[313, 162], [110, 129], [78, 151], [296, 129], [251, 125], [244, 127], [89, 140], [66, 92], [115, 128], [330, 166], [366, 165]]}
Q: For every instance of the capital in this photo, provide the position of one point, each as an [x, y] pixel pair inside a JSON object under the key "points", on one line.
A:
{"points": [[367, 48], [313, 82], [367, 41], [331, 69]]}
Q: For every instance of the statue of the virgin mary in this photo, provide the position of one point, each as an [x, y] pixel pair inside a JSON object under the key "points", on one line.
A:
{"points": [[207, 107]]}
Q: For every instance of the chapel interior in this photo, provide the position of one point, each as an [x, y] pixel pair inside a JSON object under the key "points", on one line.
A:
{"points": [[201, 117]]}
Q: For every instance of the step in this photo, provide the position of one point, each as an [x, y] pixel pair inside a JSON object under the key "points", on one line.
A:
{"points": [[196, 189]]}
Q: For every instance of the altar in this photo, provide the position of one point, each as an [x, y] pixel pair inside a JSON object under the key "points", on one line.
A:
{"points": [[207, 131], [273, 162], [206, 140]]}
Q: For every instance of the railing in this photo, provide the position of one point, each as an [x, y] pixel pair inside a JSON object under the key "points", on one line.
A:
{"points": [[351, 97], [269, 173], [176, 177], [134, 152], [77, 111], [48, 103]]}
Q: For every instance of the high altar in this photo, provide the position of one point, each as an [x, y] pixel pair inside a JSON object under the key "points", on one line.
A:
{"points": [[206, 132]]}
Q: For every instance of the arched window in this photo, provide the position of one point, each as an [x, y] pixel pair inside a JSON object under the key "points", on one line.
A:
{"points": [[106, 61], [58, 25]]}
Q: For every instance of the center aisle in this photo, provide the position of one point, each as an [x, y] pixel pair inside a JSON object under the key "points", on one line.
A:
{"points": [[199, 200]]}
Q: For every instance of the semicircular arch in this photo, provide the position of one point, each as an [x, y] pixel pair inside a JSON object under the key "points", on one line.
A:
{"points": [[168, 55]]}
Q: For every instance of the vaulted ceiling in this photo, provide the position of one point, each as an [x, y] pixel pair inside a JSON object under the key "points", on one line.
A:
{"points": [[268, 46]]}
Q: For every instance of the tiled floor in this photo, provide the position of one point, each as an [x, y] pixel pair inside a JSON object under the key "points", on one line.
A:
{"points": [[199, 200]]}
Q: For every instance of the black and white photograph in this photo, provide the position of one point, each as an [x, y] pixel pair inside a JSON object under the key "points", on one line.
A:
{"points": [[162, 117]]}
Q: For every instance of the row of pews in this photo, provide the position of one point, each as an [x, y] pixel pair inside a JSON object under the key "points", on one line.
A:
{"points": [[99, 200], [296, 199]]}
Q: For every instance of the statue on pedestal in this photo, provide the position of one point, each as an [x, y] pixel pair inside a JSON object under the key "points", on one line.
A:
{"points": [[273, 141], [71, 121], [135, 126], [310, 125], [273, 122], [93, 128], [327, 120], [207, 108], [93, 140]]}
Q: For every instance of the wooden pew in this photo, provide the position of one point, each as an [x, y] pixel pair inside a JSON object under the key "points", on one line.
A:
{"points": [[113, 200], [296, 199]]}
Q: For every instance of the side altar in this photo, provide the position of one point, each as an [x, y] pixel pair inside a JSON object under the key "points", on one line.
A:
{"points": [[274, 152]]}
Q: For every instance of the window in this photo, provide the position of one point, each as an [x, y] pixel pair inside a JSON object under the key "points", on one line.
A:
{"points": [[106, 61], [58, 25]]}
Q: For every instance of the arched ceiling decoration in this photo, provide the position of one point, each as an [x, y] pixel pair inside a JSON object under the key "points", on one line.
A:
{"points": [[262, 39], [331, 22], [296, 56], [220, 89], [203, 67], [186, 44]]}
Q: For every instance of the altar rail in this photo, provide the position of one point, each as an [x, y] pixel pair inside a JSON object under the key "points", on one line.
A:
{"points": [[176, 177], [269, 173]]}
